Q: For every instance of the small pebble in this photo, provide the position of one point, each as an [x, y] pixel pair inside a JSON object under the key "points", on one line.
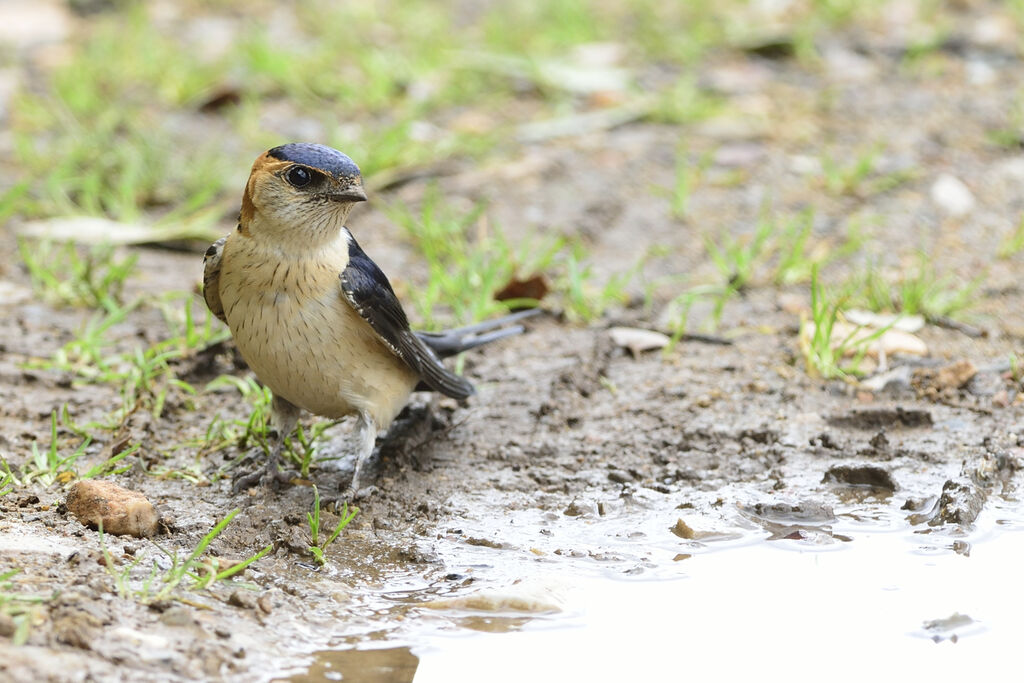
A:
{"points": [[578, 509], [242, 599], [7, 626], [177, 616], [620, 477], [682, 530]]}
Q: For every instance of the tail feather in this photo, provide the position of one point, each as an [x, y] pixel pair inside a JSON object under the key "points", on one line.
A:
{"points": [[455, 341]]}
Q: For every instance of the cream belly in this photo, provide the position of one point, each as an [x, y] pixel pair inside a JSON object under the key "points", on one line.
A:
{"points": [[301, 337]]}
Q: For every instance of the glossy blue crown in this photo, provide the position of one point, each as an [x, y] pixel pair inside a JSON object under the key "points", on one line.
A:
{"points": [[320, 157]]}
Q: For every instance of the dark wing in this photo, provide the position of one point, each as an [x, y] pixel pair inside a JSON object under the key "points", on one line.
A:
{"points": [[368, 290], [211, 278]]}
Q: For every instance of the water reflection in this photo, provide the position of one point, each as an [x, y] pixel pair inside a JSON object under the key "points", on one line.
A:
{"points": [[491, 624], [390, 665]]}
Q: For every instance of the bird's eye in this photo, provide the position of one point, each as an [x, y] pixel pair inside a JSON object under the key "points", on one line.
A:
{"points": [[298, 176]]}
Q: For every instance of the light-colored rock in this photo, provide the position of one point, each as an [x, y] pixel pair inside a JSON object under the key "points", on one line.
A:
{"points": [[517, 598], [804, 164], [979, 72], [993, 30], [122, 512], [847, 65], [23, 539], [739, 154], [12, 293], [952, 196], [1011, 169], [738, 78]]}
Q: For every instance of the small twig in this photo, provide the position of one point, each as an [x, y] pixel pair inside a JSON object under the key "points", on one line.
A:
{"points": [[964, 328], [583, 124], [960, 405], [191, 603], [706, 339]]}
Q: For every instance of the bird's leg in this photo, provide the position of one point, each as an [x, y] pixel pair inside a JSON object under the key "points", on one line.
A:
{"points": [[283, 418], [366, 438]]}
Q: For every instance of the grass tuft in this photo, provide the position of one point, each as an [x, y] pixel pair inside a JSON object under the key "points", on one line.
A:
{"points": [[825, 356], [860, 176], [47, 466], [584, 299], [19, 607], [146, 375], [1013, 244], [921, 291], [67, 276], [316, 547], [191, 573]]}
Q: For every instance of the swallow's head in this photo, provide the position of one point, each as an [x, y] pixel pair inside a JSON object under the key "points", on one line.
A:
{"points": [[300, 191]]}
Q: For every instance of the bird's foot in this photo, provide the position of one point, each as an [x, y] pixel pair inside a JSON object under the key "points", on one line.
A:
{"points": [[362, 493], [348, 497], [269, 476]]}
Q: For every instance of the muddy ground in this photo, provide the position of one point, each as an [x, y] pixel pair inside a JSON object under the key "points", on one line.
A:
{"points": [[575, 455]]}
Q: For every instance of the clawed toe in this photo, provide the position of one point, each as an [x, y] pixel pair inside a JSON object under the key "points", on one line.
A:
{"points": [[269, 476], [363, 493], [279, 478], [349, 497], [246, 481]]}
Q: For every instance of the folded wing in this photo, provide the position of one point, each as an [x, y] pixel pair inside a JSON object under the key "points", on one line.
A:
{"points": [[368, 291]]}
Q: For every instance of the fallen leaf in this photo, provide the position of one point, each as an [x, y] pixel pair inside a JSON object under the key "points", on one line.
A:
{"points": [[595, 121], [221, 98], [890, 342], [895, 321], [892, 380], [638, 340], [770, 47], [534, 287], [93, 230]]}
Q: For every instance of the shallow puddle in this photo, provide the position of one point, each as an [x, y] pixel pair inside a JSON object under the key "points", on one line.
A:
{"points": [[858, 595]]}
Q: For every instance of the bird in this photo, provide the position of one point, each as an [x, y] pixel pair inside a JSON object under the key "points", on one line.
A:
{"points": [[314, 317]]}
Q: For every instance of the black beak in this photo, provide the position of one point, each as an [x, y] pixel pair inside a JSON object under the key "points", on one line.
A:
{"points": [[352, 193]]}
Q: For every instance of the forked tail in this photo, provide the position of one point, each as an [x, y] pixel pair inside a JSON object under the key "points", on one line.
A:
{"points": [[452, 342]]}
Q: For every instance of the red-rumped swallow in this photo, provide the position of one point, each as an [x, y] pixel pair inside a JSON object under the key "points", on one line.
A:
{"points": [[313, 316]]}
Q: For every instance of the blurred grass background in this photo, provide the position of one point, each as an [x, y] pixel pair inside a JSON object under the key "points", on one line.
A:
{"points": [[145, 108], [149, 113]]}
